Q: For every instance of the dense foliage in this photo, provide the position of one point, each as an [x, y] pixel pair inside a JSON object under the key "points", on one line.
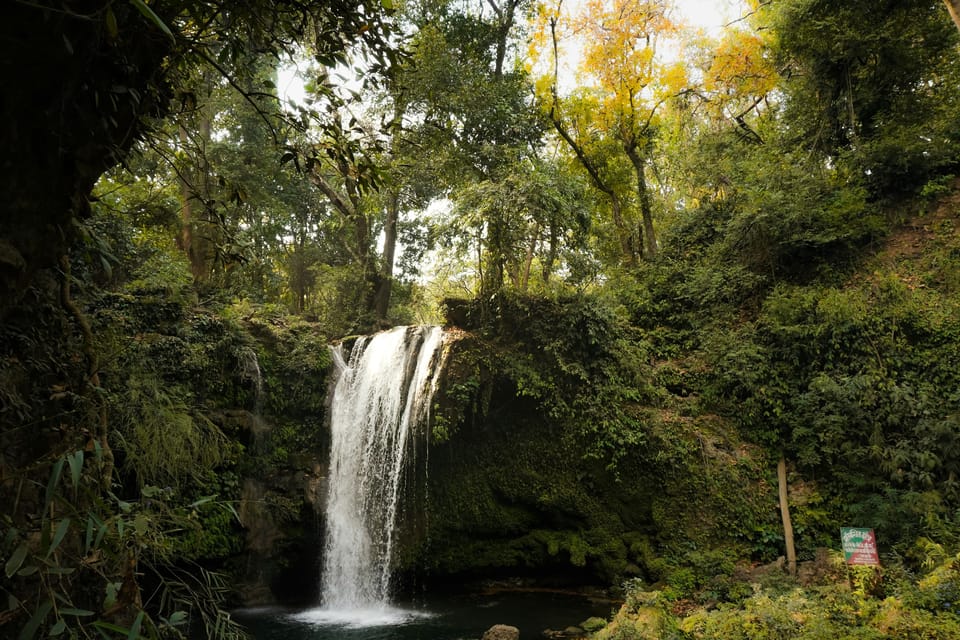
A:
{"points": [[670, 263]]}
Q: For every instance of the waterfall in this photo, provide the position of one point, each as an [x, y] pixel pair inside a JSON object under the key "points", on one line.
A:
{"points": [[382, 395]]}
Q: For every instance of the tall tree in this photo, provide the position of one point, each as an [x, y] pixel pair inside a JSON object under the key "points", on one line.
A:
{"points": [[630, 84], [466, 111], [872, 93], [92, 78]]}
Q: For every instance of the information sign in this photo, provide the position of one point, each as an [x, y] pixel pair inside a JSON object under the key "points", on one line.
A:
{"points": [[859, 546]]}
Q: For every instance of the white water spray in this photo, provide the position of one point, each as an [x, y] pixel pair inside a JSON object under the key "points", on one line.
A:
{"points": [[382, 395]]}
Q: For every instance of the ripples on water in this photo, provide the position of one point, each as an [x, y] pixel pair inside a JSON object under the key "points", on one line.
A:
{"points": [[462, 618]]}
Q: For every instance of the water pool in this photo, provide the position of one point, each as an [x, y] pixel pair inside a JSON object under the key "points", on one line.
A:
{"points": [[438, 618]]}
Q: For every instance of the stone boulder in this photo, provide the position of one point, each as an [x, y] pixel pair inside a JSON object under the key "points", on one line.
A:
{"points": [[501, 632]]}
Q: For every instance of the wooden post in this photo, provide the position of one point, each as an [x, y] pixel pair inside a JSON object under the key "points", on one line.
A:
{"points": [[785, 516], [953, 6]]}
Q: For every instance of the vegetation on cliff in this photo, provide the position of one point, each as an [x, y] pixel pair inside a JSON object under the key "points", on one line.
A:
{"points": [[670, 275]]}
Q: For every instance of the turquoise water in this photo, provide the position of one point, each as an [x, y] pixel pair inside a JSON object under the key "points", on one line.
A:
{"points": [[451, 618]]}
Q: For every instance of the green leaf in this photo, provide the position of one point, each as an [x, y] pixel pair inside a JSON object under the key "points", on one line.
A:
{"points": [[110, 595], [100, 533], [29, 570], [141, 524], [152, 17], [150, 491], [203, 500], [135, 629], [15, 560], [234, 512], [177, 618], [76, 466], [58, 628], [69, 611], [52, 483], [58, 535], [111, 20], [109, 626], [30, 629]]}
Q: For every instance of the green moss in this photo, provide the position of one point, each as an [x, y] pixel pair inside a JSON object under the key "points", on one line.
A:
{"points": [[529, 475]]}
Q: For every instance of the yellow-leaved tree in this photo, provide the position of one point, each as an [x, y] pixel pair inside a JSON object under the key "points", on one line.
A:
{"points": [[610, 121]]}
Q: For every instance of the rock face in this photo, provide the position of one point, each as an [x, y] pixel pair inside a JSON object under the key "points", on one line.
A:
{"points": [[501, 632], [518, 398]]}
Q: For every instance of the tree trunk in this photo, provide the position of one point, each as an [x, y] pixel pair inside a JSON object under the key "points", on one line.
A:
{"points": [[649, 238], [528, 259], [616, 208], [195, 227], [381, 299], [953, 6], [785, 516], [187, 218], [506, 14]]}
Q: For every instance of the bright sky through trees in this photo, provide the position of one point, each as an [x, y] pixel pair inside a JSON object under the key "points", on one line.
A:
{"points": [[709, 14]]}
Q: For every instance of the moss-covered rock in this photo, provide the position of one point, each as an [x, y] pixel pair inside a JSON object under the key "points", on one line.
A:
{"points": [[555, 457]]}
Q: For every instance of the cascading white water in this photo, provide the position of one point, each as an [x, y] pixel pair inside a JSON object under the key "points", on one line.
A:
{"points": [[382, 394]]}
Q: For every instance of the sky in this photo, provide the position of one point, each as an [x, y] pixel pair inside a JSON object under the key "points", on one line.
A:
{"points": [[709, 15]]}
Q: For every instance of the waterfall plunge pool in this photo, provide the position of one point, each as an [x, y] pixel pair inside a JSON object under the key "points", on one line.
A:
{"points": [[461, 617]]}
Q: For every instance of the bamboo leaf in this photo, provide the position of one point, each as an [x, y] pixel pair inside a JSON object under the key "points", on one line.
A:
{"points": [[135, 629], [54, 480], [111, 20], [15, 560], [29, 570], [58, 535], [58, 628], [69, 611], [100, 533], [103, 627], [30, 629], [76, 466], [203, 500], [234, 512], [153, 17]]}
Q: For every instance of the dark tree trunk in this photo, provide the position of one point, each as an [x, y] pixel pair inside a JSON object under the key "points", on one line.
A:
{"points": [[68, 114], [647, 234], [72, 104], [384, 288]]}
